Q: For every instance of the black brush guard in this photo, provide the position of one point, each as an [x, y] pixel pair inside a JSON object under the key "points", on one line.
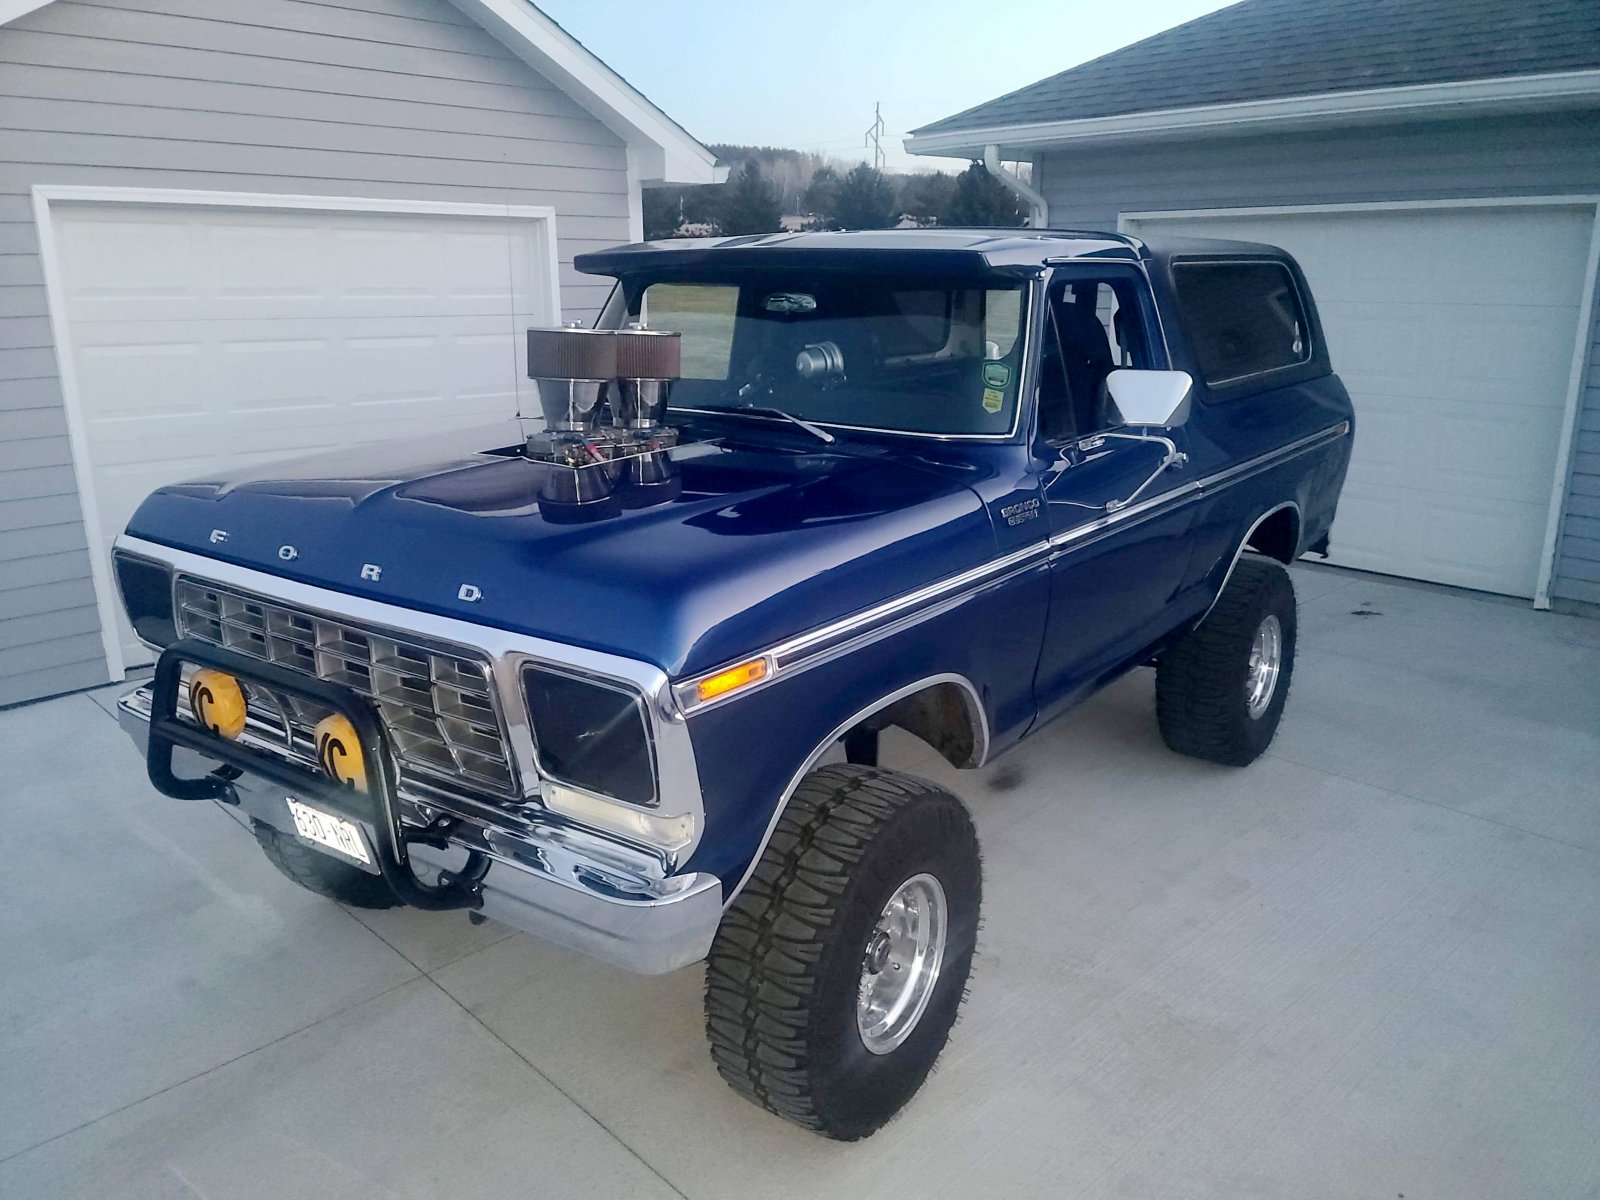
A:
{"points": [[374, 809]]}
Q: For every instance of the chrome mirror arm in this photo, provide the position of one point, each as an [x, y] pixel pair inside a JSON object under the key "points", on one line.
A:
{"points": [[1172, 458]]}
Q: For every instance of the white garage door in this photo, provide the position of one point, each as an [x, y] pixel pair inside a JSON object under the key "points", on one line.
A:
{"points": [[210, 338], [1454, 331]]}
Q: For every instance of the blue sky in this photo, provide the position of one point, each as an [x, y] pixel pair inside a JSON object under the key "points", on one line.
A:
{"points": [[805, 74]]}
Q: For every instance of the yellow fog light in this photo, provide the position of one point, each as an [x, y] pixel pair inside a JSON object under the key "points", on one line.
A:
{"points": [[217, 701], [339, 752]]}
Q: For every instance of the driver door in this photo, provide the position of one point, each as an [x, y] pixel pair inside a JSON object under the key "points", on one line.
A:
{"points": [[1115, 565]]}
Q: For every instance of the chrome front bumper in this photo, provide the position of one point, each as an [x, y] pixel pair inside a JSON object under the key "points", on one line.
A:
{"points": [[559, 884]]}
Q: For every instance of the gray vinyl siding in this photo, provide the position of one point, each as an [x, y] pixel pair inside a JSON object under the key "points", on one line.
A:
{"points": [[392, 99], [1544, 155]]}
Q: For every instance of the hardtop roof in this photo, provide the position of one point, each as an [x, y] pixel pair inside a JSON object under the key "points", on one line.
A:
{"points": [[923, 251]]}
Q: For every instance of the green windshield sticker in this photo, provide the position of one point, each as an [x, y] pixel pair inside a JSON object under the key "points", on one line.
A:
{"points": [[993, 400], [996, 374]]}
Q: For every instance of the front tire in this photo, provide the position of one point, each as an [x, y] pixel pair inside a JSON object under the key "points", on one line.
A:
{"points": [[837, 973], [323, 874], [1221, 687]]}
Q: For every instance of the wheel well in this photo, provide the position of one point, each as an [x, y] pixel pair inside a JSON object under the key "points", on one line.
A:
{"points": [[1277, 536], [944, 715]]}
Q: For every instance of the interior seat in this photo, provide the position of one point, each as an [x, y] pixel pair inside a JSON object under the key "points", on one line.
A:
{"points": [[1086, 358]]}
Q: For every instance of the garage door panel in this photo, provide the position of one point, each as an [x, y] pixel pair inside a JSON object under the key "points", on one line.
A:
{"points": [[1502, 355], [1475, 451], [1454, 331], [1377, 345], [105, 266], [234, 269], [1476, 543], [133, 381], [211, 339], [246, 261]]}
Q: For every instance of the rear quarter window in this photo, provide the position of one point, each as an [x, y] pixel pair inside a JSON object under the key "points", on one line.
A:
{"points": [[1243, 318]]}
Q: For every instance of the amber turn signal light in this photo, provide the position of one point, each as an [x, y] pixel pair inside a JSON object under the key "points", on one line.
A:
{"points": [[731, 680]]}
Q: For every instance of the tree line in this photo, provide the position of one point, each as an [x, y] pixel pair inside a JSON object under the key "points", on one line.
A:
{"points": [[772, 182]]}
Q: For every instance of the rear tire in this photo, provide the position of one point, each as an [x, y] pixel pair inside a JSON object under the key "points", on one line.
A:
{"points": [[825, 1001], [323, 874], [1221, 688]]}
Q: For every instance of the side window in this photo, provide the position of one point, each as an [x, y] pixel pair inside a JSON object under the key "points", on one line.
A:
{"points": [[1002, 322], [1243, 318], [704, 314], [1092, 327]]}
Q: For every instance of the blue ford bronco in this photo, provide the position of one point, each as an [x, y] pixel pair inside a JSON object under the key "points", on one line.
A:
{"points": [[614, 673]]}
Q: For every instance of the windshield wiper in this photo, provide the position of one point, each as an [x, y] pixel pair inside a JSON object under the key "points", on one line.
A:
{"points": [[816, 431]]}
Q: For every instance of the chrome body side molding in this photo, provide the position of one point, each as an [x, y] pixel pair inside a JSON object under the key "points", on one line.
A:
{"points": [[821, 645]]}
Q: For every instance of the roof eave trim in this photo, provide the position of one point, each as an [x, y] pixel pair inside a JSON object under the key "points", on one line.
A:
{"points": [[662, 151], [1547, 90], [11, 10]]}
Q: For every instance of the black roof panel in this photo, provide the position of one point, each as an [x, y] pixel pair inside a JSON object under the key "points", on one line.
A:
{"points": [[958, 251], [954, 252]]}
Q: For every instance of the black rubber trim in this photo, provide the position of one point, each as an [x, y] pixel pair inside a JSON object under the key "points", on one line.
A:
{"points": [[374, 809]]}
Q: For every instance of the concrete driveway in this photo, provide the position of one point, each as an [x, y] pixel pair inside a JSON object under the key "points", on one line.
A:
{"points": [[1367, 966]]}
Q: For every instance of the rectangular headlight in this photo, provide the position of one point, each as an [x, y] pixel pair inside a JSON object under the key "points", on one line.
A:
{"points": [[591, 734], [146, 589]]}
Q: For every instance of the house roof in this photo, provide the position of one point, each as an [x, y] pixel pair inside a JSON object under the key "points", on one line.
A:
{"points": [[1269, 50], [660, 150]]}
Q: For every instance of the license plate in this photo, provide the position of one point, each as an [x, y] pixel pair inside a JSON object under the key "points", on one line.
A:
{"points": [[330, 831]]}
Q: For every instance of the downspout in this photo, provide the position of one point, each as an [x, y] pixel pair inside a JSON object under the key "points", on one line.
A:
{"points": [[1038, 206]]}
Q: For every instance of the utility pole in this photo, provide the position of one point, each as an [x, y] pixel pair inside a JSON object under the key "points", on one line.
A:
{"points": [[875, 136]]}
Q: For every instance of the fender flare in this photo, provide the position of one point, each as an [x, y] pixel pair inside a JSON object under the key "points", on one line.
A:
{"points": [[975, 713], [1244, 542]]}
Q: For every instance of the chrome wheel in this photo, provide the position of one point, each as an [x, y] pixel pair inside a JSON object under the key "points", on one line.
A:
{"points": [[1266, 661], [901, 963]]}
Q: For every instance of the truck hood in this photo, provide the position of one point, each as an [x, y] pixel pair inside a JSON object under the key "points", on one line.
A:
{"points": [[769, 538]]}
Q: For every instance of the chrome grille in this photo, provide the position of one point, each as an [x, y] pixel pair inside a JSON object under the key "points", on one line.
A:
{"points": [[437, 706]]}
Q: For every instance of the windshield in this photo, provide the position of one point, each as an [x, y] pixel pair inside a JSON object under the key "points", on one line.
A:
{"points": [[846, 348]]}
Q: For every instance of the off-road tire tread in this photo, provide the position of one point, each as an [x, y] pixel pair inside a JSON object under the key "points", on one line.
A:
{"points": [[323, 874], [762, 969], [1199, 678]]}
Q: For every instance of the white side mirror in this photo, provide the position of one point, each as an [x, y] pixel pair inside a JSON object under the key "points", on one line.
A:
{"points": [[1151, 398]]}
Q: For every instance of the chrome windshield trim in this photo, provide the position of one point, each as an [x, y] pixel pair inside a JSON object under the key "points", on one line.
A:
{"points": [[1025, 379], [506, 651]]}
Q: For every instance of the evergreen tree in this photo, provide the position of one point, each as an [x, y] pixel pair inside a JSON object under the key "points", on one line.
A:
{"points": [[926, 196], [979, 199], [866, 200], [751, 203], [661, 212], [821, 197]]}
